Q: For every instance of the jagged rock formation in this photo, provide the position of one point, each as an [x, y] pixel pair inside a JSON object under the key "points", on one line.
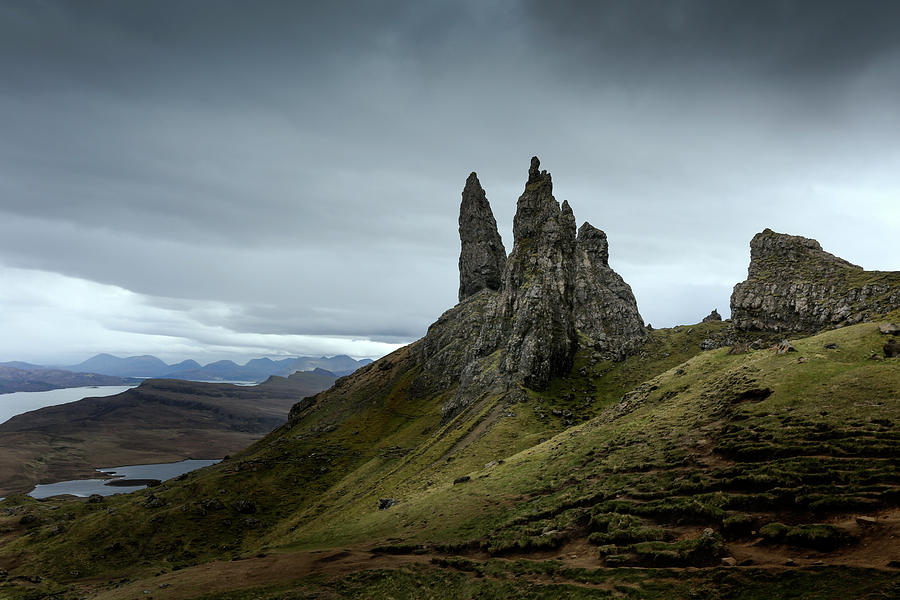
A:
{"points": [[713, 316], [605, 309], [523, 332], [538, 292], [794, 285], [482, 257]]}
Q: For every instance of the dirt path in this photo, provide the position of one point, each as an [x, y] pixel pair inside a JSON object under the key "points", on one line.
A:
{"points": [[220, 576], [879, 544]]}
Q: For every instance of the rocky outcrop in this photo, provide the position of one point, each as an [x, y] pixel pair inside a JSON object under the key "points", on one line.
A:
{"points": [[712, 317], [538, 292], [482, 257], [794, 285], [522, 331], [605, 309]]}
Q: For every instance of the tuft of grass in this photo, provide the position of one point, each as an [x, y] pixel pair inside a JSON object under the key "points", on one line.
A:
{"points": [[817, 536]]}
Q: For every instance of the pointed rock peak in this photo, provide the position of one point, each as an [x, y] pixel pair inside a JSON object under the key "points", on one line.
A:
{"points": [[593, 241], [535, 175], [537, 209], [534, 172], [568, 217], [482, 256], [538, 286]]}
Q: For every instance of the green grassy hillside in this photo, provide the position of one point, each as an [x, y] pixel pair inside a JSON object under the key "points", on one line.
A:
{"points": [[631, 479]]}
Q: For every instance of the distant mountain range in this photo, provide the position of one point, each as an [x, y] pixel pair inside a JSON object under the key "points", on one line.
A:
{"points": [[257, 369], [147, 366]]}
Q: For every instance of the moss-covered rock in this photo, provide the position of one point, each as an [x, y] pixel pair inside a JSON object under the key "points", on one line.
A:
{"points": [[794, 285]]}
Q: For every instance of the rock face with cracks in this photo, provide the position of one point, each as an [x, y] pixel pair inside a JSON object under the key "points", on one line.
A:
{"points": [[482, 257], [605, 309], [537, 298], [516, 324], [794, 285]]}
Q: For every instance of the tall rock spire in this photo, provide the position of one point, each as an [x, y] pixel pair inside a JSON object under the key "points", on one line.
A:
{"points": [[482, 256], [539, 285]]}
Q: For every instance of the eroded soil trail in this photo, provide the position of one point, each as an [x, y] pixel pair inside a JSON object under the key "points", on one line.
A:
{"points": [[879, 545]]}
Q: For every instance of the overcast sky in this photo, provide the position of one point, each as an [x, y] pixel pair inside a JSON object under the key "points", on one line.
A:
{"points": [[215, 179]]}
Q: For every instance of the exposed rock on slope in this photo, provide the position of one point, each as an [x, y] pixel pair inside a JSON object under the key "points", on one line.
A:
{"points": [[605, 309], [713, 316], [482, 257], [793, 285]]}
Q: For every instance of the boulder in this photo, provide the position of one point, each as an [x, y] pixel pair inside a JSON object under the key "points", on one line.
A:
{"points": [[889, 329], [784, 347], [891, 348], [212, 504], [709, 344], [386, 503]]}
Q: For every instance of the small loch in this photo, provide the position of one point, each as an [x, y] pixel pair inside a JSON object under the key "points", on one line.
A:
{"points": [[120, 480]]}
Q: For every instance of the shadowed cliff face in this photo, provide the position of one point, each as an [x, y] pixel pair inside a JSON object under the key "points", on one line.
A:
{"points": [[605, 309], [482, 257], [539, 286], [521, 330], [794, 285]]}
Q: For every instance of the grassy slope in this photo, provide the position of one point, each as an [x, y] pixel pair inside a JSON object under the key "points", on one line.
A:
{"points": [[635, 484], [824, 442]]}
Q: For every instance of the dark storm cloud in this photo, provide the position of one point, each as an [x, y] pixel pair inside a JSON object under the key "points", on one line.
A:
{"points": [[780, 39], [301, 162]]}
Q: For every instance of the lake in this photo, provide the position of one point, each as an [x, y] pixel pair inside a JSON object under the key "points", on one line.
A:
{"points": [[86, 487], [17, 403]]}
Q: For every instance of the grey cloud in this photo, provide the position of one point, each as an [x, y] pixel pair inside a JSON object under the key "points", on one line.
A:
{"points": [[301, 163], [771, 38]]}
